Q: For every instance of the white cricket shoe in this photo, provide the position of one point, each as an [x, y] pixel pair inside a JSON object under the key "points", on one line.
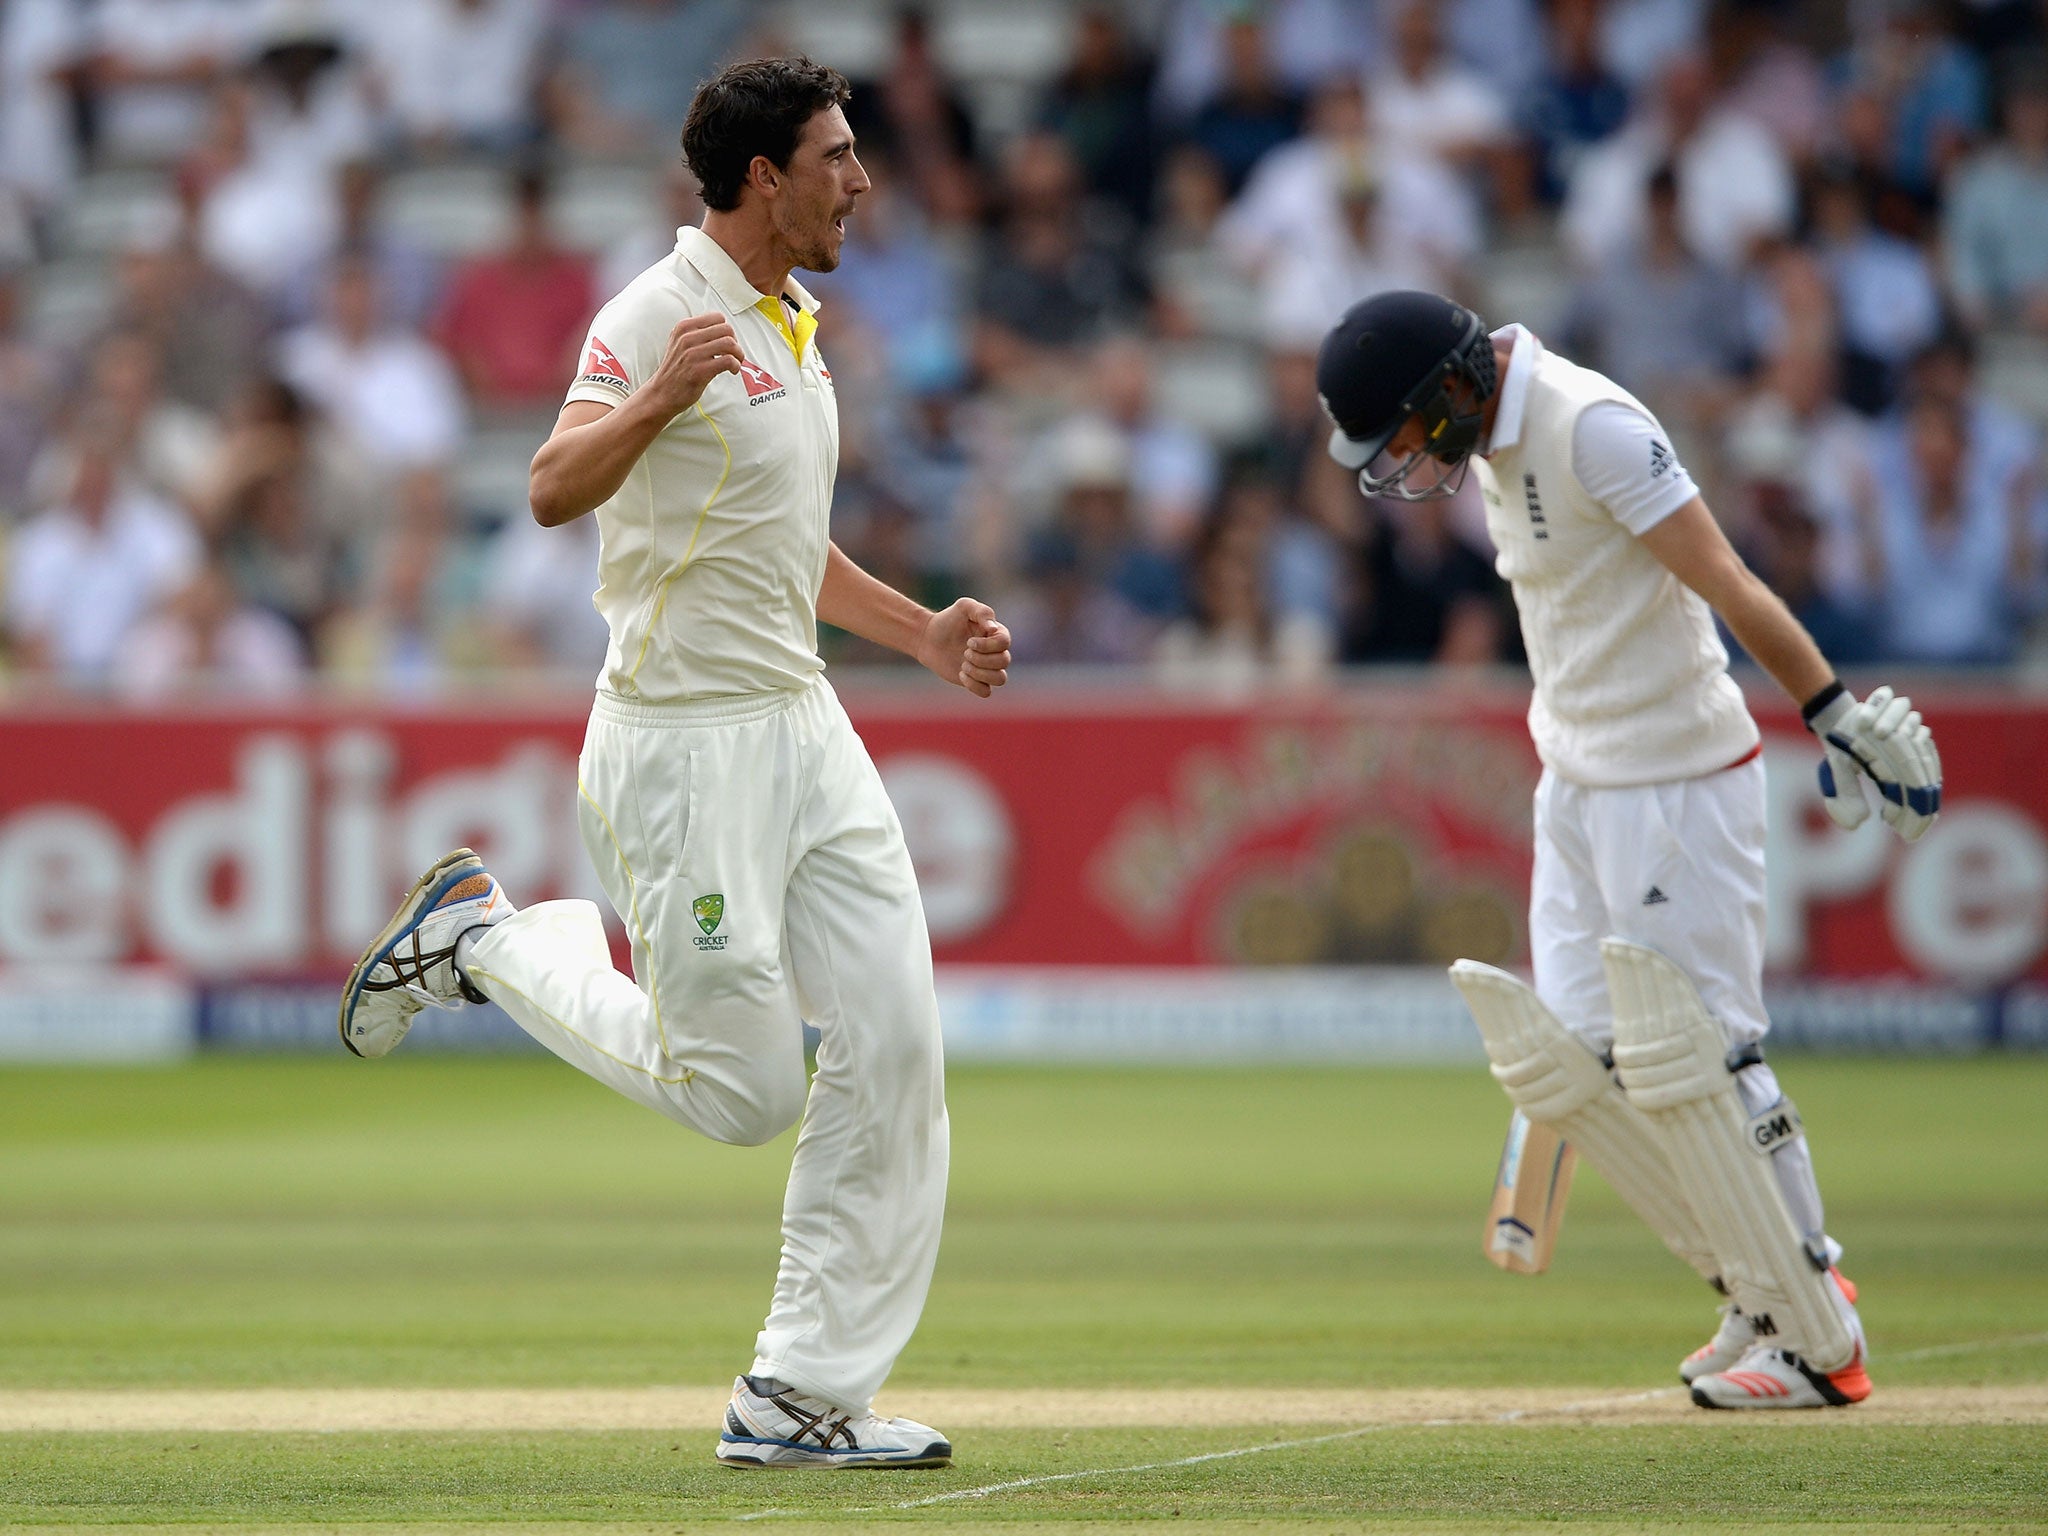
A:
{"points": [[788, 1429], [1768, 1377], [411, 964], [1728, 1345]]}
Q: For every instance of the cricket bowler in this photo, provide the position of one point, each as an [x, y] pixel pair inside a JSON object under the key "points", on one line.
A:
{"points": [[737, 824], [1642, 1041]]}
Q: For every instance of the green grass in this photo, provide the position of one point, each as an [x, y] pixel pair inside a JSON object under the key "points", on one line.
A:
{"points": [[439, 1222], [1714, 1471]]}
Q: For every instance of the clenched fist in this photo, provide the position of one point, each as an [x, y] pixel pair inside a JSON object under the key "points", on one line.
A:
{"points": [[700, 348], [965, 645]]}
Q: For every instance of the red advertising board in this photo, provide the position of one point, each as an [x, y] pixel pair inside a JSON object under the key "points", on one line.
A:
{"points": [[1375, 824]]}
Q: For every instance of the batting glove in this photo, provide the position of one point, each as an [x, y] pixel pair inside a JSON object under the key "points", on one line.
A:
{"points": [[1882, 739]]}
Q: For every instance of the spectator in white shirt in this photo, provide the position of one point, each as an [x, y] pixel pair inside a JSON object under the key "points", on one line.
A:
{"points": [[1173, 467], [1659, 321], [206, 638], [1423, 218], [1308, 41], [262, 219], [43, 46], [393, 393], [1885, 291], [1795, 431], [535, 603], [1734, 185], [82, 573], [1995, 226], [457, 73], [1427, 104], [408, 275], [1954, 543], [1357, 260], [155, 65], [311, 111]]}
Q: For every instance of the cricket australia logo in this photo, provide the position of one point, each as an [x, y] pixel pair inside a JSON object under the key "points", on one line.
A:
{"points": [[1538, 524], [709, 912]]}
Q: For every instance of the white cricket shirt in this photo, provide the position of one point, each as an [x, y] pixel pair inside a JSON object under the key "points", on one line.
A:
{"points": [[712, 552], [1632, 683]]}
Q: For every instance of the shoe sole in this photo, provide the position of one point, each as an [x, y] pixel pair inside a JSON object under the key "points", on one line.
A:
{"points": [[758, 1464], [380, 946], [1831, 1392]]}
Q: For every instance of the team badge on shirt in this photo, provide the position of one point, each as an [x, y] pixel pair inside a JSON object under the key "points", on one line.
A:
{"points": [[710, 912], [761, 384], [601, 365]]}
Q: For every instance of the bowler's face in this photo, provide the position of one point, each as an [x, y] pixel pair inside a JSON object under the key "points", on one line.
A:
{"points": [[825, 177]]}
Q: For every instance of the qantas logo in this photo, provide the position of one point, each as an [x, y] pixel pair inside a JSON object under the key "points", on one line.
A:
{"points": [[601, 366], [761, 384]]}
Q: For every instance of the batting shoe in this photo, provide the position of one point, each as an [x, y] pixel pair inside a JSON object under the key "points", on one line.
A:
{"points": [[784, 1428], [1767, 1377], [1730, 1342], [411, 964]]}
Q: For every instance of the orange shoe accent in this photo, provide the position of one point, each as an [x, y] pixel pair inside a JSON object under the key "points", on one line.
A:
{"points": [[1848, 1286], [1852, 1381]]}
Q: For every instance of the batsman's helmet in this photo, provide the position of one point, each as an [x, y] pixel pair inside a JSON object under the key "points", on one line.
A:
{"points": [[1393, 356]]}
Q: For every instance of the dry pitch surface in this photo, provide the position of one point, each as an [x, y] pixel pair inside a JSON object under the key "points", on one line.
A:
{"points": [[539, 1410]]}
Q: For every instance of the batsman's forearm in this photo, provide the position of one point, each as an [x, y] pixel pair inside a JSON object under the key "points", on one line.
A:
{"points": [[1775, 640], [582, 467], [858, 603]]}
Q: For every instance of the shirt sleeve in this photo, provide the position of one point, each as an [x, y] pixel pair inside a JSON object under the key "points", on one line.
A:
{"points": [[613, 363], [1624, 460]]}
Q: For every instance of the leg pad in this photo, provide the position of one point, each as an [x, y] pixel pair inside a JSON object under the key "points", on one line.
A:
{"points": [[1672, 1056], [1550, 1075]]}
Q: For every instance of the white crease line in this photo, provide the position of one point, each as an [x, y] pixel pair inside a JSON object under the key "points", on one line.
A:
{"points": [[1968, 1347], [1357, 1432], [1150, 1466], [1512, 1416]]}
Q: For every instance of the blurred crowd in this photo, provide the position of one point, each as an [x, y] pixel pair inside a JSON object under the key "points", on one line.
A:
{"points": [[290, 291]]}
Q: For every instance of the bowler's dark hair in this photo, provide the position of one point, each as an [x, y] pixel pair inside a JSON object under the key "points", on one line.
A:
{"points": [[758, 107]]}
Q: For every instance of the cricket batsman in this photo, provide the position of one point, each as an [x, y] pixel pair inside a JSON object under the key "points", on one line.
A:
{"points": [[737, 824], [1642, 1041]]}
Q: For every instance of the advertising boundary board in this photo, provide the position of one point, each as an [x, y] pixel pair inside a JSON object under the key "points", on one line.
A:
{"points": [[1263, 873], [1389, 1016]]}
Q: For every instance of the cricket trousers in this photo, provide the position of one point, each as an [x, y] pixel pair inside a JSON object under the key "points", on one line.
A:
{"points": [[761, 873]]}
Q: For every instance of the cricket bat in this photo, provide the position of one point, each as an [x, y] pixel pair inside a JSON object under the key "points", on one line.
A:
{"points": [[1529, 1193]]}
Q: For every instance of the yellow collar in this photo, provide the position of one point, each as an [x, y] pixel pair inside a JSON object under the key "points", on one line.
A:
{"points": [[736, 293], [799, 337]]}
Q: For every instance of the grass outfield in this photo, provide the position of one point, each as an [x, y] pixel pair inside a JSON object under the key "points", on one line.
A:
{"points": [[439, 1223]]}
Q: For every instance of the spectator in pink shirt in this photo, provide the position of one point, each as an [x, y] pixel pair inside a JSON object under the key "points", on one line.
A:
{"points": [[513, 321]]}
